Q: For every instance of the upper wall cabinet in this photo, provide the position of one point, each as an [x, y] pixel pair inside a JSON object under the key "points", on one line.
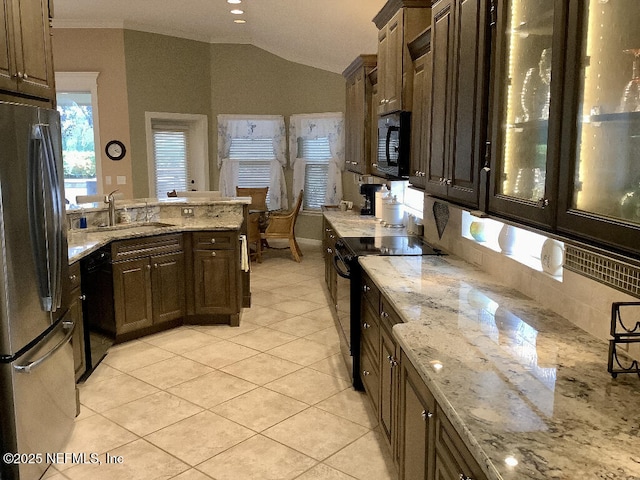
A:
{"points": [[599, 189], [26, 61], [459, 98], [527, 100], [358, 126], [420, 50], [399, 22]]}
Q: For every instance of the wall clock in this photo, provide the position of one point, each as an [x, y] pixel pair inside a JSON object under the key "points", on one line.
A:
{"points": [[115, 150]]}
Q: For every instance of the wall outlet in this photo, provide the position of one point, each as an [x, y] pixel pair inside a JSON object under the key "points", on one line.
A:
{"points": [[187, 211]]}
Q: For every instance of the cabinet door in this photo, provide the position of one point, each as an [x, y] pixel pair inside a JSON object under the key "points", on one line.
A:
{"points": [[7, 81], [416, 425], [34, 60], [77, 340], [383, 59], [388, 382], [599, 182], [168, 287], [452, 458], [393, 68], [528, 66], [132, 295], [442, 51], [420, 119], [216, 274]]}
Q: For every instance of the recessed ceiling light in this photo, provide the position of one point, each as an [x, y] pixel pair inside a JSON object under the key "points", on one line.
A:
{"points": [[237, 11], [239, 20], [234, 1]]}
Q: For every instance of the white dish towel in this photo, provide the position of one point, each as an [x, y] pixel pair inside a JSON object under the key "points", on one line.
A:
{"points": [[244, 255]]}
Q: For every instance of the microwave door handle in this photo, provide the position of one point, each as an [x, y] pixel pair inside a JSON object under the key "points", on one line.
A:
{"points": [[390, 130]]}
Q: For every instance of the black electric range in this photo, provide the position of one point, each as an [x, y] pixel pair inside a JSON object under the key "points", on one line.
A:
{"points": [[349, 273]]}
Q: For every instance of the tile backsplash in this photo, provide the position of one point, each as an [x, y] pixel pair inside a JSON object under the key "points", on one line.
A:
{"points": [[581, 300]]}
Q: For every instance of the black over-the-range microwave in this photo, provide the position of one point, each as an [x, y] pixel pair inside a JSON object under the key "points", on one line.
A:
{"points": [[394, 135]]}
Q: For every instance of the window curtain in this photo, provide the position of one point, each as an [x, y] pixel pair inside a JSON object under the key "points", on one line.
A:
{"points": [[312, 126], [253, 127]]}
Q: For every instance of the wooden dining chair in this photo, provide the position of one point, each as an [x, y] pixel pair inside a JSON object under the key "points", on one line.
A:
{"points": [[282, 226], [254, 236], [258, 197]]}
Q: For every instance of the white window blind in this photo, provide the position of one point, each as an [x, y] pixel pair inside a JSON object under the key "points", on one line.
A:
{"points": [[317, 152], [171, 153], [254, 157]]}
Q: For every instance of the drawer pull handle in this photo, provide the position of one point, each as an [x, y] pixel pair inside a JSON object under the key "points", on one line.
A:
{"points": [[213, 254], [366, 372], [365, 325], [426, 415]]}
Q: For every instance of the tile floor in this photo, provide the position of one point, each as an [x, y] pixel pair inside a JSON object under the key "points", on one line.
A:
{"points": [[264, 401]]}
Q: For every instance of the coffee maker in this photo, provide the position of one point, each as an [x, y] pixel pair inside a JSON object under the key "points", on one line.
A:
{"points": [[368, 191]]}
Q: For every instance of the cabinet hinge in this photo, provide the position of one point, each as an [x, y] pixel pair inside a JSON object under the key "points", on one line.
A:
{"points": [[493, 13]]}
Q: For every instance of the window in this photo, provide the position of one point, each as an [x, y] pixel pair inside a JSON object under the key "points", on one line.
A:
{"points": [[77, 104], [171, 153], [254, 156], [177, 152], [317, 153]]}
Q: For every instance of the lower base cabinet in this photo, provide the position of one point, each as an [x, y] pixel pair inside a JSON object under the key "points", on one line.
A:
{"points": [[75, 313]]}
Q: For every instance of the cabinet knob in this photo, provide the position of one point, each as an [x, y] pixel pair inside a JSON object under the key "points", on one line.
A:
{"points": [[366, 326], [148, 267], [82, 297], [366, 372], [155, 265], [213, 240], [543, 202], [329, 250], [72, 278], [374, 165], [392, 361], [464, 477], [426, 415], [366, 288], [384, 314], [213, 254], [448, 182], [25, 76]]}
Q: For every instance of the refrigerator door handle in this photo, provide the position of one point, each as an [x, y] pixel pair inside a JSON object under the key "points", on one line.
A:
{"points": [[67, 326], [45, 217]]}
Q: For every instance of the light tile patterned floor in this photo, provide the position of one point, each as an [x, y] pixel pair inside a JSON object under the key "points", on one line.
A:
{"points": [[265, 401]]}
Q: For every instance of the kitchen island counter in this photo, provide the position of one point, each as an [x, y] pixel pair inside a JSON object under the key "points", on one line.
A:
{"points": [[519, 383]]}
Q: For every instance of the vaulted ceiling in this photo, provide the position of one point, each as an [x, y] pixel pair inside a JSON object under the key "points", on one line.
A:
{"points": [[326, 34]]}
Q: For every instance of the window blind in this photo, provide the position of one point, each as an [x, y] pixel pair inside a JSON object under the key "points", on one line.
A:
{"points": [[254, 157], [171, 153], [317, 152]]}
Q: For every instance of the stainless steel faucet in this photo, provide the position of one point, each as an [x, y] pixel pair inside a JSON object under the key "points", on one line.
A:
{"points": [[111, 201]]}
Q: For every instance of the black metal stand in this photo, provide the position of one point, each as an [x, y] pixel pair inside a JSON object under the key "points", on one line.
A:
{"points": [[622, 335]]}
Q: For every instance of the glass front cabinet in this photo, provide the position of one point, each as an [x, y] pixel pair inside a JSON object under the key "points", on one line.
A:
{"points": [[565, 130]]}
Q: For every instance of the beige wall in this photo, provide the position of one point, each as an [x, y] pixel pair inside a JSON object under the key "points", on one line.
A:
{"points": [[90, 50], [248, 80], [164, 74], [143, 72]]}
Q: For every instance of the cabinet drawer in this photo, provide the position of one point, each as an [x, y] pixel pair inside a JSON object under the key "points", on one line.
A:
{"points": [[74, 275], [388, 315], [370, 377], [370, 328], [370, 292], [215, 240], [142, 247]]}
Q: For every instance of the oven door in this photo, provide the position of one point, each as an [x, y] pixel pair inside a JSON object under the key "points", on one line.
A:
{"points": [[343, 270]]}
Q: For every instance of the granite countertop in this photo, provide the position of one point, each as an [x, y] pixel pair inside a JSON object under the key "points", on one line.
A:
{"points": [[82, 242], [159, 202], [352, 224], [516, 380]]}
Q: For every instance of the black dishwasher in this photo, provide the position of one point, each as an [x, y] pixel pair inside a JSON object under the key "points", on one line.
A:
{"points": [[97, 310]]}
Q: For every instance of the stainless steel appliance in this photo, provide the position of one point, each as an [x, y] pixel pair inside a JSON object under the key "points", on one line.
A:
{"points": [[345, 262], [37, 387], [368, 191], [394, 134]]}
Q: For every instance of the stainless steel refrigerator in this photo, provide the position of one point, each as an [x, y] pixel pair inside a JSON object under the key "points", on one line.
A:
{"points": [[37, 386]]}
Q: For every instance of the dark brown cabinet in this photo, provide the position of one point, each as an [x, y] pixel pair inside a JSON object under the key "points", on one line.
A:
{"points": [[217, 288], [459, 98], [148, 282], [26, 61], [398, 22], [420, 50], [358, 125]]}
